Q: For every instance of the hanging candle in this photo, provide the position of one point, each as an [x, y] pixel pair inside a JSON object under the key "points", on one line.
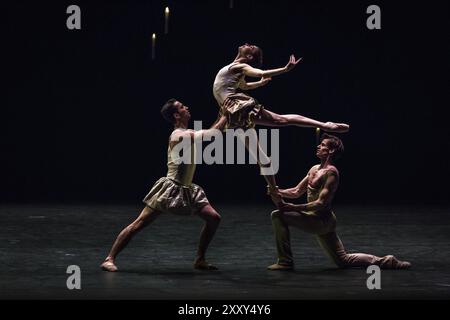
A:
{"points": [[166, 20], [153, 46]]}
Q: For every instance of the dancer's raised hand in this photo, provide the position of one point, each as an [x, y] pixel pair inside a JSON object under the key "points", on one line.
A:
{"points": [[292, 63]]}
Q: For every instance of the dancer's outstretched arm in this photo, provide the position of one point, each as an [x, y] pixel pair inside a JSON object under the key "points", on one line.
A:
{"points": [[192, 135], [218, 126], [258, 73]]}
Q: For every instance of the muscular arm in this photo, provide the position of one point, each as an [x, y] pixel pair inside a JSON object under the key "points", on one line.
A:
{"points": [[215, 129], [325, 196], [295, 192], [220, 124], [191, 135]]}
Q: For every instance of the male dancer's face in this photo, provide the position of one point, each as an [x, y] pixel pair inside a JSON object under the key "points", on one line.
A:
{"points": [[183, 111], [323, 151]]}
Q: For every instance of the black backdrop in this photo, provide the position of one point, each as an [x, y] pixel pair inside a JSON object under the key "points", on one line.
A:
{"points": [[81, 121]]}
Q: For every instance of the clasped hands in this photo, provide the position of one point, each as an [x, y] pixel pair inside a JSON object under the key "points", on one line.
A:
{"points": [[277, 199]]}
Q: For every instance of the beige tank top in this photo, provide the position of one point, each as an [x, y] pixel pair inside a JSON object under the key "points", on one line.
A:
{"points": [[178, 170], [226, 83]]}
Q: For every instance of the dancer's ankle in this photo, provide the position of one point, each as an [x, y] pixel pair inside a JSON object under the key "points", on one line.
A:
{"points": [[199, 257], [109, 259]]}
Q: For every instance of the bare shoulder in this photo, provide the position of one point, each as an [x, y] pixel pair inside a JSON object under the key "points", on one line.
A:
{"points": [[238, 67], [181, 134], [332, 170], [314, 168]]}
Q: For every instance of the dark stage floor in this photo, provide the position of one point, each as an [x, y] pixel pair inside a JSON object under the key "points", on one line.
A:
{"points": [[39, 242]]}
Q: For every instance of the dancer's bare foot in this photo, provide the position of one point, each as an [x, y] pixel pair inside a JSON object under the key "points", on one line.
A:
{"points": [[108, 265], [393, 263], [404, 265], [280, 267], [203, 265], [336, 127]]}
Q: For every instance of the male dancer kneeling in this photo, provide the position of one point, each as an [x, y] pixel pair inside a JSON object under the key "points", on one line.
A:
{"points": [[175, 193], [317, 217]]}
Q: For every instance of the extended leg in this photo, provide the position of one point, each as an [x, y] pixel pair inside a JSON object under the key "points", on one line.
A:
{"points": [[334, 248], [272, 119], [147, 216]]}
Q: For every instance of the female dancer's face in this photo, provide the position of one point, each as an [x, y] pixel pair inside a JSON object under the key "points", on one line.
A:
{"points": [[246, 49], [251, 53]]}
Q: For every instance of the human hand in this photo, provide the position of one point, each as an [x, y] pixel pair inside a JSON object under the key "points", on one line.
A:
{"points": [[274, 195], [292, 63], [264, 80]]}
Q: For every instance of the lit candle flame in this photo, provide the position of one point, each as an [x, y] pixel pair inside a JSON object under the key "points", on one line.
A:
{"points": [[166, 20], [153, 46]]}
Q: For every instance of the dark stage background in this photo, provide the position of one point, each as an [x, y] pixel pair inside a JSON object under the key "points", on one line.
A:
{"points": [[81, 122]]}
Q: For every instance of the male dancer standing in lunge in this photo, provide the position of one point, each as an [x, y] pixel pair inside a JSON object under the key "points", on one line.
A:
{"points": [[175, 193]]}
